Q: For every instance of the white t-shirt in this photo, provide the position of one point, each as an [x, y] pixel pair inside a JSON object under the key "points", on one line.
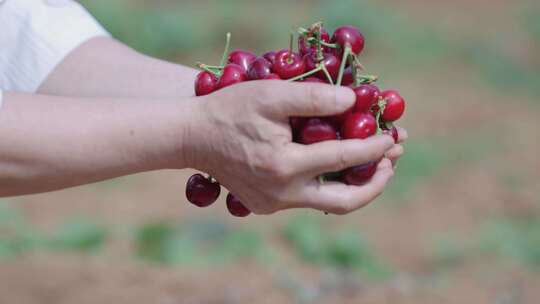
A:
{"points": [[35, 35]]}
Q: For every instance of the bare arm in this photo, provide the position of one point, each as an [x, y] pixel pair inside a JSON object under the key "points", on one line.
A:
{"points": [[104, 67], [49, 143], [240, 135]]}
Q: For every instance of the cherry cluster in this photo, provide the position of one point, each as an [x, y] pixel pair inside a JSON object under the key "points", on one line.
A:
{"points": [[320, 58]]}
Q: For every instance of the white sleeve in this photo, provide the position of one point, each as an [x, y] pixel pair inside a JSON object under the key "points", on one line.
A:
{"points": [[35, 35]]}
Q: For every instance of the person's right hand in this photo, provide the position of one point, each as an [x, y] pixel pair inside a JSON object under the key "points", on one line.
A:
{"points": [[241, 136]]}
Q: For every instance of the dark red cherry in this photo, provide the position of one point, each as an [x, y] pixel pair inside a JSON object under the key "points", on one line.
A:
{"points": [[330, 61], [242, 58], [392, 132], [236, 207], [205, 83], [359, 125], [348, 78], [313, 79], [259, 69], [367, 95], [270, 56], [359, 175], [297, 123], [316, 130], [395, 106], [288, 64], [348, 35], [272, 76], [201, 191], [339, 119], [304, 47], [232, 73]]}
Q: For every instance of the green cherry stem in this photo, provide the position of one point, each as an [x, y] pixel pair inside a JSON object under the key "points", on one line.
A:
{"points": [[354, 70], [217, 67], [226, 50], [343, 61], [330, 81], [204, 67], [330, 45], [367, 78], [306, 74], [382, 104]]}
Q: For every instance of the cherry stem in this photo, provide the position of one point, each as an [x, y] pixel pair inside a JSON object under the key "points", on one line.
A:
{"points": [[317, 29], [323, 67], [315, 70], [342, 65], [382, 104], [367, 79], [291, 41], [354, 70], [204, 67], [330, 45], [321, 179], [226, 50], [217, 67], [359, 64]]}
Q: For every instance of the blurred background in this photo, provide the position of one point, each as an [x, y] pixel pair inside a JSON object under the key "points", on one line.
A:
{"points": [[460, 222]]}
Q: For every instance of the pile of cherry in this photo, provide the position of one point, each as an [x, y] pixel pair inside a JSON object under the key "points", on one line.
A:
{"points": [[320, 58]]}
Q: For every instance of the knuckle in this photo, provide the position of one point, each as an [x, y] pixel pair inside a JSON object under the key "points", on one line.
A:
{"points": [[278, 168], [317, 97]]}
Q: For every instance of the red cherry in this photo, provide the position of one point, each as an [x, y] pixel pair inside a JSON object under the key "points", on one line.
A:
{"points": [[297, 123], [395, 105], [259, 69], [330, 61], [313, 79], [316, 130], [366, 96], [359, 125], [232, 73], [205, 83], [236, 207], [270, 56], [348, 78], [242, 58], [272, 76], [201, 191], [304, 47], [348, 35], [288, 64], [359, 175], [340, 118], [392, 132]]}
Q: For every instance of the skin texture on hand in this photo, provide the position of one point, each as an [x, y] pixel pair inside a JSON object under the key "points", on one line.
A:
{"points": [[243, 139]]}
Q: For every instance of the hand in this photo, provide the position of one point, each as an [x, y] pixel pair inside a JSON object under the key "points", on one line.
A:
{"points": [[241, 136], [397, 150]]}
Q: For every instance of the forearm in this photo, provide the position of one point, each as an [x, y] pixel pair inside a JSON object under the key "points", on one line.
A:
{"points": [[49, 143], [103, 67]]}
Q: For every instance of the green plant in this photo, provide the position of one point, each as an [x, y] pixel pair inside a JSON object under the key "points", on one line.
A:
{"points": [[518, 240], [343, 250]]}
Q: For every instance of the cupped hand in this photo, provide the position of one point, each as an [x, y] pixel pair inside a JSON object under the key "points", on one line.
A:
{"points": [[241, 136]]}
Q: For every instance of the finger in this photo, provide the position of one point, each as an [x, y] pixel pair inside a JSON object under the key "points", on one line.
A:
{"points": [[395, 153], [402, 134], [332, 156], [338, 198], [285, 99]]}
